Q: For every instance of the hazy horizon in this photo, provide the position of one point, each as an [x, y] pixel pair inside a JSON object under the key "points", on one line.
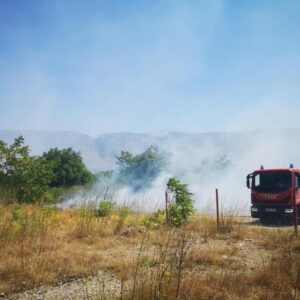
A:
{"points": [[155, 132]]}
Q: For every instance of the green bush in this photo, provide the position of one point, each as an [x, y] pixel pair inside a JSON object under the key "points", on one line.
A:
{"points": [[67, 167], [139, 171], [153, 218], [183, 205], [124, 212], [26, 177], [106, 208]]}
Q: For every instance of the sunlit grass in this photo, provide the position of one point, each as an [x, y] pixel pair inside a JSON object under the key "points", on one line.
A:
{"points": [[44, 245]]}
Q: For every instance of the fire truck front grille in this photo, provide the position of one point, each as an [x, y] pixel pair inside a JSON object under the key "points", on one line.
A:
{"points": [[284, 201]]}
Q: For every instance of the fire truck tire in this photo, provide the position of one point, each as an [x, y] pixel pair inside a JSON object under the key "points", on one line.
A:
{"points": [[263, 220]]}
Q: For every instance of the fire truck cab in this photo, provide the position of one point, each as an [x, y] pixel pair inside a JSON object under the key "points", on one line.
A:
{"points": [[275, 193]]}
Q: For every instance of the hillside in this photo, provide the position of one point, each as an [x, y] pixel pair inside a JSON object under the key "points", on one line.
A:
{"points": [[40, 141], [99, 152]]}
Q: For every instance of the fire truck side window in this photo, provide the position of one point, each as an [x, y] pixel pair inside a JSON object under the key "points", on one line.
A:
{"points": [[257, 180], [297, 180]]}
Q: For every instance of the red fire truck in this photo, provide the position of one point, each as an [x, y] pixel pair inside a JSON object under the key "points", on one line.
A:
{"points": [[275, 193]]}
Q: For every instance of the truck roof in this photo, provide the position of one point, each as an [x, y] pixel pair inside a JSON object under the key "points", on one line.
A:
{"points": [[278, 170]]}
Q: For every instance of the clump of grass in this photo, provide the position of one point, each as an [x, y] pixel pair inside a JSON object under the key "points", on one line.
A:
{"points": [[156, 271], [122, 215], [106, 208], [122, 268], [38, 246], [153, 220], [220, 256], [206, 225], [282, 274], [272, 238], [27, 247], [85, 226]]}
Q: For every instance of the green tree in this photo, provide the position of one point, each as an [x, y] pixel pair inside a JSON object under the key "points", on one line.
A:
{"points": [[35, 180], [13, 160], [183, 205], [27, 177], [67, 167], [139, 171]]}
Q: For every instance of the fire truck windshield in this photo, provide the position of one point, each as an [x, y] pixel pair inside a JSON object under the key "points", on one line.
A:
{"points": [[271, 181]]}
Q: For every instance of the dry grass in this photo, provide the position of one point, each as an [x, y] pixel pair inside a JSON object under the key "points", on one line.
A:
{"points": [[207, 225], [219, 255], [278, 279], [200, 261], [44, 245]]}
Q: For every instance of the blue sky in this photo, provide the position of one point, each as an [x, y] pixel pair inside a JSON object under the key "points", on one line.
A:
{"points": [[109, 66]]}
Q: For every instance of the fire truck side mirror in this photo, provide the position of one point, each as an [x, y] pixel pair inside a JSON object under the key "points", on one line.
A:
{"points": [[248, 181]]}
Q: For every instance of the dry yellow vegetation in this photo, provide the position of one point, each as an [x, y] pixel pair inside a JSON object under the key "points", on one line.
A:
{"points": [[150, 260]]}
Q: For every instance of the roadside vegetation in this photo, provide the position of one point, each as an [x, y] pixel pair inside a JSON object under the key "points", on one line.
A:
{"points": [[25, 178], [149, 259], [172, 254]]}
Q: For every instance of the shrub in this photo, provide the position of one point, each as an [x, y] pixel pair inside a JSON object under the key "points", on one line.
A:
{"points": [[124, 212], [139, 171], [67, 167], [152, 220], [26, 176], [106, 208], [183, 205]]}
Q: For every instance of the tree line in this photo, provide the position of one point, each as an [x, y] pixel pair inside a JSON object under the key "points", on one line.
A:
{"points": [[28, 178]]}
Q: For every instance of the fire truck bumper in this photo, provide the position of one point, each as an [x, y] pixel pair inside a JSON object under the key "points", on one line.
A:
{"points": [[270, 212]]}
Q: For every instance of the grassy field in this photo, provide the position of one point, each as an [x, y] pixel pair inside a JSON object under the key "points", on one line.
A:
{"points": [[148, 259]]}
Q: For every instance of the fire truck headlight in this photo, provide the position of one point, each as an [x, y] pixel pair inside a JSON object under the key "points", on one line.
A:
{"points": [[289, 210], [254, 209]]}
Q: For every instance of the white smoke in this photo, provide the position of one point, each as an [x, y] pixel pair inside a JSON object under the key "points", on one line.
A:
{"points": [[192, 162]]}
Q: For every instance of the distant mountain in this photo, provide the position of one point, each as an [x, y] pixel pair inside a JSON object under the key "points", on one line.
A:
{"points": [[41, 141], [99, 153]]}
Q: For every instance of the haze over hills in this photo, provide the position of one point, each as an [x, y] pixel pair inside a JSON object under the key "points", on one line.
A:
{"points": [[99, 153]]}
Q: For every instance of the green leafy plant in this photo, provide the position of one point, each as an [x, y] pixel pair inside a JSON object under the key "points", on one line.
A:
{"points": [[27, 177], [183, 207], [124, 212], [152, 220], [139, 171], [68, 168], [106, 208]]}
